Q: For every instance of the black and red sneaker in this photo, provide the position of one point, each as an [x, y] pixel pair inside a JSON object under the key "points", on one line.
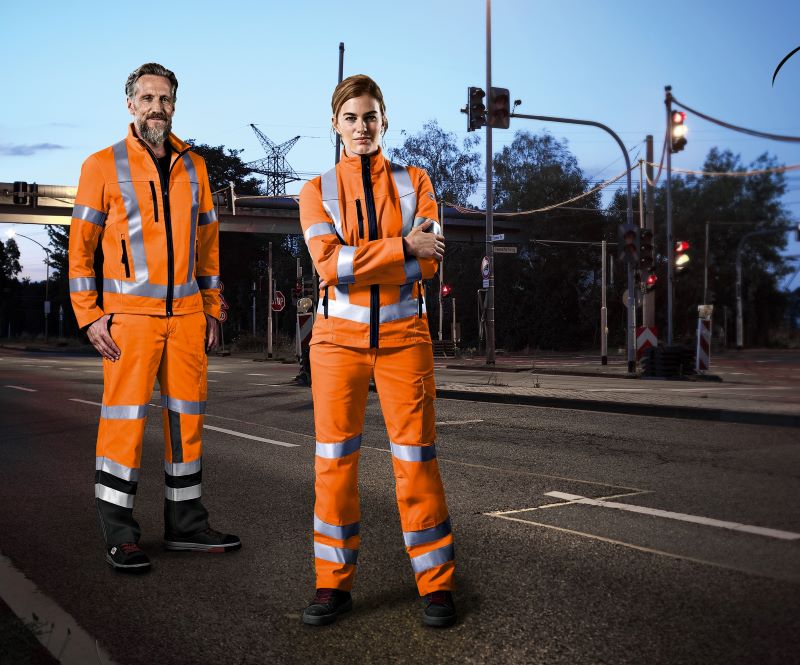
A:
{"points": [[439, 610], [127, 558], [326, 606], [207, 540]]}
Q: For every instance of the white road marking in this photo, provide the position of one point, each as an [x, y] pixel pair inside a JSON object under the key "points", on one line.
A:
{"points": [[251, 437], [94, 371], [274, 385], [682, 517], [212, 380], [84, 401], [256, 374], [457, 422], [218, 371], [247, 422], [648, 550], [27, 390], [62, 636], [560, 504]]}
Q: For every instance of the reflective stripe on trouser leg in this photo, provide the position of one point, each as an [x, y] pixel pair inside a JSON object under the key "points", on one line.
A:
{"points": [[182, 378], [127, 386], [340, 388], [405, 383]]}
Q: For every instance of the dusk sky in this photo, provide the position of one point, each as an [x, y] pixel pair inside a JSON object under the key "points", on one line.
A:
{"points": [[275, 64]]}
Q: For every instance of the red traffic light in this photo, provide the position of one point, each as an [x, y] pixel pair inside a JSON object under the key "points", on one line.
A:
{"points": [[446, 290], [678, 117], [681, 246], [651, 279]]}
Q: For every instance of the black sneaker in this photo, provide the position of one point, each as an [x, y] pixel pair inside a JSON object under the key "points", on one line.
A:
{"points": [[326, 606], [127, 558], [207, 540], [440, 611]]}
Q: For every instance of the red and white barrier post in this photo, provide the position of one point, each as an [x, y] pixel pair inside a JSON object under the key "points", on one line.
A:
{"points": [[703, 362], [645, 338]]}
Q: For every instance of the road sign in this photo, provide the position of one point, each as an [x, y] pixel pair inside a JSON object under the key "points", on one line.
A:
{"points": [[278, 302], [485, 268], [498, 236], [505, 249]]}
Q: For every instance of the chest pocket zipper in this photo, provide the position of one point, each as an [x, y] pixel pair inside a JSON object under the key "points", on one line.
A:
{"points": [[155, 200], [125, 258], [360, 217]]}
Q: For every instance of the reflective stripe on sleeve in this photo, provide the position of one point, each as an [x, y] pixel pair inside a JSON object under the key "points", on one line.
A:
{"points": [[183, 468], [116, 469], [113, 496], [183, 406], [183, 493], [208, 281], [406, 194], [207, 217], [132, 412], [432, 559], [341, 532], [434, 228], [413, 270], [344, 265], [78, 284], [336, 450], [335, 554], [413, 453], [91, 215], [330, 198], [427, 535], [318, 229]]}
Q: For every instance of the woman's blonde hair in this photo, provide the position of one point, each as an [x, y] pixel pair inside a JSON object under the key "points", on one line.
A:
{"points": [[355, 86]]}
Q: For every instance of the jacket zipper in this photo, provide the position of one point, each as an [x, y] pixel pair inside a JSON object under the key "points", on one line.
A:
{"points": [[125, 258], [155, 200], [372, 226], [360, 217]]}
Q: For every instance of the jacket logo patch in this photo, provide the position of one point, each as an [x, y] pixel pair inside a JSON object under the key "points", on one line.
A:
{"points": [[430, 194]]}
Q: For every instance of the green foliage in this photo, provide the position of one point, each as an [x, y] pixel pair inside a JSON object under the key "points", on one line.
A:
{"points": [[9, 260], [226, 166]]}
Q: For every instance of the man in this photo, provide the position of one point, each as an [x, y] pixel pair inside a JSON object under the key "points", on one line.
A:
{"points": [[146, 202]]}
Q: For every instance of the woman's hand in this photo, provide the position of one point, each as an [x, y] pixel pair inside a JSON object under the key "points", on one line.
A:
{"points": [[424, 245]]}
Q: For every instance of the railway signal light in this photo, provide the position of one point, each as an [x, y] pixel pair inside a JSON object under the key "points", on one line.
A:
{"points": [[447, 290], [677, 131], [681, 257], [650, 282], [499, 115], [628, 243], [476, 111]]}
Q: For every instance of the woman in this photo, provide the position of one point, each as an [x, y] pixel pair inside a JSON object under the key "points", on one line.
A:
{"points": [[371, 229]]}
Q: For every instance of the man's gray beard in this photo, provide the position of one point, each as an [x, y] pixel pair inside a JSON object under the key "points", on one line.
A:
{"points": [[154, 135]]}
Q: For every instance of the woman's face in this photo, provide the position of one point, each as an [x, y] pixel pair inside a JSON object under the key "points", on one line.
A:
{"points": [[359, 123]]}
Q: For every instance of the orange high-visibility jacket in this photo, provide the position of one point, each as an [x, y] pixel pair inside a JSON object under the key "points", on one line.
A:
{"points": [[160, 248], [354, 218]]}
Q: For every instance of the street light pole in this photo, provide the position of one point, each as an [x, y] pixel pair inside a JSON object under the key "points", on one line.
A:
{"points": [[11, 234], [670, 242], [490, 339]]}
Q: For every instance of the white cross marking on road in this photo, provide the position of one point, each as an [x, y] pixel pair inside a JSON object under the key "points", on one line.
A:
{"points": [[250, 436]]}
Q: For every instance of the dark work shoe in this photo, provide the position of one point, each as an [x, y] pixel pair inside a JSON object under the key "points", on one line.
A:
{"points": [[440, 610], [207, 540], [326, 606], [127, 558]]}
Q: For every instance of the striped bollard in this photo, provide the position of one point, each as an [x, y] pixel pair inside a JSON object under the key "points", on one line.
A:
{"points": [[703, 361]]}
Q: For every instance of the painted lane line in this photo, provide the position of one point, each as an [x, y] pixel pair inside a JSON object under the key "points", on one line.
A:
{"points": [[274, 385], [27, 390], [218, 371], [63, 638], [257, 374], [649, 550], [248, 422], [560, 504], [251, 437], [212, 380], [682, 517], [84, 401], [458, 422]]}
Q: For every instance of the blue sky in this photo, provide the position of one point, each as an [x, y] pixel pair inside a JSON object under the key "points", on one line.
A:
{"points": [[275, 64]]}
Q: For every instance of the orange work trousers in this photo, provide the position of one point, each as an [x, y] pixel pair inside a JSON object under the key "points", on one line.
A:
{"points": [[172, 349], [405, 383]]}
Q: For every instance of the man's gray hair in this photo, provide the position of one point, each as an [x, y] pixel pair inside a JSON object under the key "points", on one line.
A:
{"points": [[152, 69]]}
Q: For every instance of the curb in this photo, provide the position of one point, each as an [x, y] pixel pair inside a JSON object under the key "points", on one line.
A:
{"points": [[653, 410]]}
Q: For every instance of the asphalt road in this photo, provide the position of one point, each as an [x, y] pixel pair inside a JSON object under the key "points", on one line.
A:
{"points": [[544, 575]]}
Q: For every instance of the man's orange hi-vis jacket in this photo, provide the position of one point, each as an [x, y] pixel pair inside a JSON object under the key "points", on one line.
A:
{"points": [[354, 218], [160, 245]]}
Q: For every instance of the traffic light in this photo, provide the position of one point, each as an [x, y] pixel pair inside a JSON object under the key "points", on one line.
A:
{"points": [[20, 196], [476, 111], [499, 108], [681, 257], [628, 243], [646, 259], [677, 131], [650, 281], [447, 290]]}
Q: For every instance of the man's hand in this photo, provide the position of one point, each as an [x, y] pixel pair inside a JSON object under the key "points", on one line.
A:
{"points": [[424, 245], [212, 327], [101, 339]]}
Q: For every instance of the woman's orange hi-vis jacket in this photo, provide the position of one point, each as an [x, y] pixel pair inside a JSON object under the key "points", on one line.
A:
{"points": [[160, 245], [354, 218]]}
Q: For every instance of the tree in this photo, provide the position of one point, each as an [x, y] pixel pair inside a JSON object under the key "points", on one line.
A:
{"points": [[9, 261], [225, 166], [455, 172]]}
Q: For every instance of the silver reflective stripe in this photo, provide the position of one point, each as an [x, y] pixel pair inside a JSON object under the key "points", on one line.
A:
{"points": [[183, 468], [88, 214], [189, 164], [318, 229], [342, 293], [183, 406], [432, 559], [334, 450], [207, 217], [406, 194], [413, 453], [341, 532], [413, 270], [330, 198], [344, 265], [149, 290], [77, 284], [116, 469], [360, 313], [113, 496], [135, 237], [208, 281], [183, 493], [335, 554], [434, 228], [134, 412], [427, 535]]}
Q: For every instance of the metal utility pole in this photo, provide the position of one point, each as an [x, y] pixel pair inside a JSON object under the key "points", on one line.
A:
{"points": [[670, 242], [269, 302], [649, 299], [441, 276], [490, 340], [341, 75], [603, 310], [641, 228], [705, 267], [274, 165]]}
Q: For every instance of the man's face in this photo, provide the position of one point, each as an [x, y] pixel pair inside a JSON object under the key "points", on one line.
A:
{"points": [[152, 108]]}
